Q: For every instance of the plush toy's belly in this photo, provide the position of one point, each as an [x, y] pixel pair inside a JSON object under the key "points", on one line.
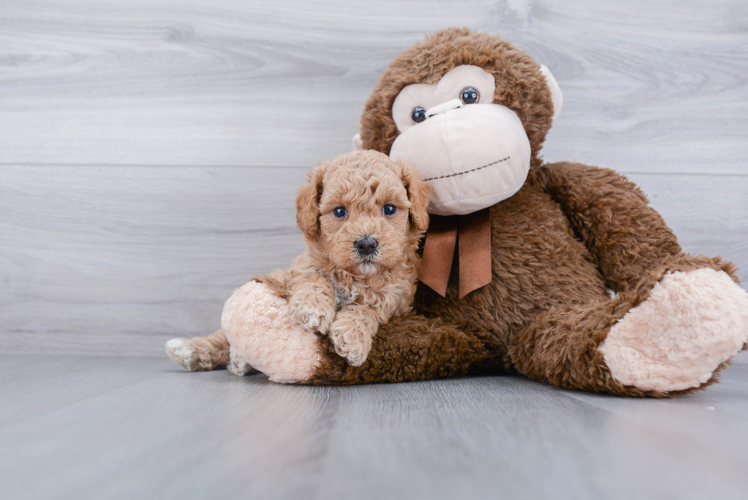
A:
{"points": [[537, 262]]}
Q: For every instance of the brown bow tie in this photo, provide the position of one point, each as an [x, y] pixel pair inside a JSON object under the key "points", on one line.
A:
{"points": [[474, 252]]}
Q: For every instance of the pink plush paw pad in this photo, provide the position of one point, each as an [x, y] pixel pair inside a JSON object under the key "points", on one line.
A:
{"points": [[690, 324], [259, 327]]}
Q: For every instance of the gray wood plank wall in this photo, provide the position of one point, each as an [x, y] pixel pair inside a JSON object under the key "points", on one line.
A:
{"points": [[150, 149]]}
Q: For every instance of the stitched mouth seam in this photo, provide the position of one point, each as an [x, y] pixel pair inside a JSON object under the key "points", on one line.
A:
{"points": [[466, 171]]}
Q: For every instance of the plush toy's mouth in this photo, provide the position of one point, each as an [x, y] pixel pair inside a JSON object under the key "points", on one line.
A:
{"points": [[446, 176]]}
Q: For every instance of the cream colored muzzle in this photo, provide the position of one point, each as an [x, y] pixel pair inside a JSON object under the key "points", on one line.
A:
{"points": [[473, 156]]}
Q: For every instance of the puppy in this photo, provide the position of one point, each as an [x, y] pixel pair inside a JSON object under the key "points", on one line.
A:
{"points": [[362, 216]]}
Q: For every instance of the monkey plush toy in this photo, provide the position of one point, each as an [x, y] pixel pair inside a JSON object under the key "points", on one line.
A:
{"points": [[521, 256]]}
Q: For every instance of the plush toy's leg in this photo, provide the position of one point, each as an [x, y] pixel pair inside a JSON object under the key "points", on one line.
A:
{"points": [[668, 336], [260, 329], [200, 353], [258, 324]]}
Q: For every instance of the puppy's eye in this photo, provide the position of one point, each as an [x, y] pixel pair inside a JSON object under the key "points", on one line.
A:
{"points": [[340, 212], [389, 210], [418, 114], [469, 95]]}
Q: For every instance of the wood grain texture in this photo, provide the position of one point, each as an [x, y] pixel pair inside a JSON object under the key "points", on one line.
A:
{"points": [[118, 260], [149, 154], [150, 149], [650, 86], [140, 428]]}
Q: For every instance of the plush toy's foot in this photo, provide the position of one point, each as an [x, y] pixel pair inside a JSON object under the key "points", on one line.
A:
{"points": [[238, 366], [260, 329], [691, 323]]}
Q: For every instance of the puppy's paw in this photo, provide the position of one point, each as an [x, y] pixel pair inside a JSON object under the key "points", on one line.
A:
{"points": [[183, 353], [238, 366], [351, 341], [312, 312]]}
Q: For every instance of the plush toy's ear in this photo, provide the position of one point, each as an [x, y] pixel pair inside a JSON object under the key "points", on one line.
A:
{"points": [[418, 195], [307, 203], [556, 95], [358, 144]]}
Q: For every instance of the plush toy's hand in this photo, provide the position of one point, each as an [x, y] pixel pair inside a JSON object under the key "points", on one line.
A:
{"points": [[352, 333], [312, 310]]}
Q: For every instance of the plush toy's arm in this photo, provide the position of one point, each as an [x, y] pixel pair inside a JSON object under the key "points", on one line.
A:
{"points": [[625, 236], [257, 323]]}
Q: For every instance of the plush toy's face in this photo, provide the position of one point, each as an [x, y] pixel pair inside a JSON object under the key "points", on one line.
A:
{"points": [[472, 152], [469, 112]]}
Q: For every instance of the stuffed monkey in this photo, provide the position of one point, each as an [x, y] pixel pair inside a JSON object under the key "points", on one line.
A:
{"points": [[560, 272]]}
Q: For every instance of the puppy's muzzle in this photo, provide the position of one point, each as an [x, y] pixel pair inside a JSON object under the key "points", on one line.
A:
{"points": [[366, 246]]}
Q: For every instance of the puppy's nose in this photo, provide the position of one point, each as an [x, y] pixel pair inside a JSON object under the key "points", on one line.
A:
{"points": [[366, 245]]}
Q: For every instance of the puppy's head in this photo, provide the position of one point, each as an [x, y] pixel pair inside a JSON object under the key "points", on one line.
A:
{"points": [[363, 212]]}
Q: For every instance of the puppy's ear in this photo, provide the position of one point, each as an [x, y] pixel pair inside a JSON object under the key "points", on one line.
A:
{"points": [[418, 195], [307, 203]]}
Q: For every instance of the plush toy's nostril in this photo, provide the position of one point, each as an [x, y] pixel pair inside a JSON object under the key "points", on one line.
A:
{"points": [[366, 245]]}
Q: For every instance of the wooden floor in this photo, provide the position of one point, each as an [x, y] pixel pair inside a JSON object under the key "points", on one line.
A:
{"points": [[149, 155], [150, 149], [94, 427]]}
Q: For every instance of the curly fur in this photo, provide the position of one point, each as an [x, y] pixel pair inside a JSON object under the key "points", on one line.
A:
{"points": [[570, 235], [333, 289], [520, 85]]}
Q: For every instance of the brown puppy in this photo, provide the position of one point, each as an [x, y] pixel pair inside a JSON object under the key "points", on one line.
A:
{"points": [[362, 215]]}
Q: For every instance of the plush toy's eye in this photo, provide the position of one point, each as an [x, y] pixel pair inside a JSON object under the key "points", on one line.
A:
{"points": [[389, 210], [418, 114], [469, 95], [339, 212]]}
